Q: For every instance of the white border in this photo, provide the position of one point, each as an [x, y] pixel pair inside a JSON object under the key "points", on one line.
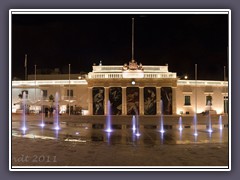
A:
{"points": [[118, 11]]}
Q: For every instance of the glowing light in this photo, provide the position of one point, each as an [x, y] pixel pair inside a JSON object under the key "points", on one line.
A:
{"points": [[138, 134], [108, 130], [42, 125], [162, 131], [108, 119], [195, 134], [133, 82], [134, 123], [210, 130], [57, 128], [180, 124], [24, 128], [77, 133], [220, 123]]}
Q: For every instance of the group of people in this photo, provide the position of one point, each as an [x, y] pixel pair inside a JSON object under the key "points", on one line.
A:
{"points": [[49, 112]]}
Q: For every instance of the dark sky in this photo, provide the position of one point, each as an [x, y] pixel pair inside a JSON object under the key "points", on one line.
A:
{"points": [[181, 41]]}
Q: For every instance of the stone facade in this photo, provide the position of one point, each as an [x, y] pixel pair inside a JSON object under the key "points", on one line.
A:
{"points": [[130, 89]]}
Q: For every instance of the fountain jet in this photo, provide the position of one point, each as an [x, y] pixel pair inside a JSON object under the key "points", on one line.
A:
{"points": [[134, 123], [161, 119], [195, 125], [108, 119], [24, 128], [220, 123], [42, 122], [56, 118]]}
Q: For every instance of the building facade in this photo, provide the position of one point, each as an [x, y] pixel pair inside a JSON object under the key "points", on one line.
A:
{"points": [[126, 90]]}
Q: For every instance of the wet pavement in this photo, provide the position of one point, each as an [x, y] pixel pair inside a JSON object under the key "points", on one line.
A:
{"points": [[149, 135], [88, 144]]}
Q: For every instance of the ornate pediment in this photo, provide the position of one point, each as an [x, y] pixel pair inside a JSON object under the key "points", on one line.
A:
{"points": [[132, 66]]}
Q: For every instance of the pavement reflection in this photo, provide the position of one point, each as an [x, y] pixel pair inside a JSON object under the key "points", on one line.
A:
{"points": [[121, 134]]}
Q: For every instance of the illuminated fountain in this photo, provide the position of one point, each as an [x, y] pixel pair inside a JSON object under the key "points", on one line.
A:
{"points": [[137, 126], [209, 119], [108, 119], [161, 118], [209, 124], [195, 125], [42, 122], [180, 124], [220, 123], [134, 123], [24, 128], [56, 117], [220, 127]]}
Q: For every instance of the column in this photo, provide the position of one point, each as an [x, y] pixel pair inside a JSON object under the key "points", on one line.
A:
{"points": [[90, 101], [158, 99], [174, 102], [106, 98], [141, 101], [124, 103]]}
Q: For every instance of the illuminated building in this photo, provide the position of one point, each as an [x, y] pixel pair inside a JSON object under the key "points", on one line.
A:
{"points": [[131, 89]]}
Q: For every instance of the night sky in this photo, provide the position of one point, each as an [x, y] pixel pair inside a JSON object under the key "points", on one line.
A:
{"points": [[181, 41]]}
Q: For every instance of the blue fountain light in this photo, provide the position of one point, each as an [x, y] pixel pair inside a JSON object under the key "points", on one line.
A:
{"points": [[42, 122], [220, 123], [138, 134], [57, 127], [195, 125], [210, 130], [180, 124], [162, 131], [42, 125], [108, 119], [24, 128], [134, 123], [195, 134], [161, 119], [108, 130], [209, 124]]}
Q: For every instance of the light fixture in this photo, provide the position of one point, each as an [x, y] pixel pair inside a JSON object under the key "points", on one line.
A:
{"points": [[133, 82]]}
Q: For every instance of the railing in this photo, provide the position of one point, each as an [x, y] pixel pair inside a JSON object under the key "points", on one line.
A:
{"points": [[120, 75], [118, 69], [202, 83], [48, 82]]}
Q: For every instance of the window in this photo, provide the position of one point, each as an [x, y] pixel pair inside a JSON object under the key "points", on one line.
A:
{"points": [[44, 93], [187, 101], [208, 100], [70, 92]]}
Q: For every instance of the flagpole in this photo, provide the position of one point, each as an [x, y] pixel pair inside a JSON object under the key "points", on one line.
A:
{"points": [[25, 65], [132, 38], [196, 88], [35, 77], [69, 66]]}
